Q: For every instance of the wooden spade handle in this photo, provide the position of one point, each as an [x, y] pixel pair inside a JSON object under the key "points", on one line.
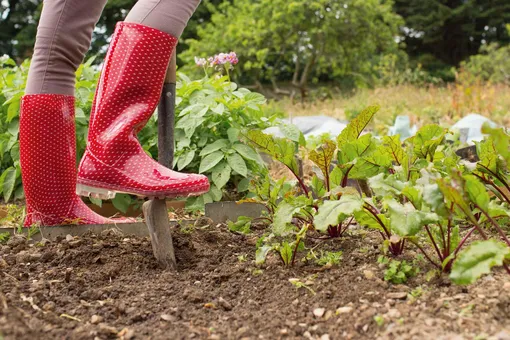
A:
{"points": [[166, 117], [155, 210]]}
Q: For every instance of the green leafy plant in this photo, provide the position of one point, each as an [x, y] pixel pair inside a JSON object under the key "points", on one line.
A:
{"points": [[326, 205], [328, 258], [4, 237], [419, 193], [30, 231], [300, 284], [397, 272], [242, 225], [210, 114]]}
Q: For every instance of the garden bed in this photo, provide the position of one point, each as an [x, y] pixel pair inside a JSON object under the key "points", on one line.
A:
{"points": [[109, 286]]}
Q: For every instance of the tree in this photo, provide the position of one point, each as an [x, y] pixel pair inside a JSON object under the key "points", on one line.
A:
{"points": [[452, 30], [301, 40], [18, 26], [19, 18]]}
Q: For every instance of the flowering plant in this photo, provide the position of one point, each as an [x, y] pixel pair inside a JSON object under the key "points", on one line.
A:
{"points": [[219, 62]]}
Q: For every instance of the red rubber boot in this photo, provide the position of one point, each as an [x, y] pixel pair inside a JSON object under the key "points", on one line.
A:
{"points": [[48, 162], [127, 95]]}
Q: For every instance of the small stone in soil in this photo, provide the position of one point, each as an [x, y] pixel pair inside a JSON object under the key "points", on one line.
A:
{"points": [[107, 330], [126, 334], [344, 310], [503, 335], [166, 317], [68, 274], [99, 260], [22, 257], [430, 322], [224, 304], [397, 295], [69, 238], [394, 313], [95, 319], [49, 306], [241, 331], [319, 312], [3, 264], [369, 275], [75, 244]]}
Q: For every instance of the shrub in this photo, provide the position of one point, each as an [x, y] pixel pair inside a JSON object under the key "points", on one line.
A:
{"points": [[492, 65], [210, 114]]}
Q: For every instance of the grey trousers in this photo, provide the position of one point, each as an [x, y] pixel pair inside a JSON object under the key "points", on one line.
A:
{"points": [[65, 31]]}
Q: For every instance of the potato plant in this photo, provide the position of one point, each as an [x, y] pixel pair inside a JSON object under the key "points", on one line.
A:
{"points": [[210, 113]]}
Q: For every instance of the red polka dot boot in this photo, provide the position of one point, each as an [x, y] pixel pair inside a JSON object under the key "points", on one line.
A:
{"points": [[127, 95], [48, 163]]}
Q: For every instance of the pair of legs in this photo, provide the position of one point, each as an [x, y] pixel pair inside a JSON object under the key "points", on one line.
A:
{"points": [[65, 31], [126, 96]]}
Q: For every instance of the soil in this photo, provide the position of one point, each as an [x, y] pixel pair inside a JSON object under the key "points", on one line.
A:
{"points": [[109, 286]]}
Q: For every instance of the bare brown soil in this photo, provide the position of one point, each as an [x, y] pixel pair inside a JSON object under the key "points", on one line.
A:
{"points": [[108, 286]]}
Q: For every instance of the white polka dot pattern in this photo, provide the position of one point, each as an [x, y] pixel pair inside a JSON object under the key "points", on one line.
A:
{"points": [[48, 162], [126, 97]]}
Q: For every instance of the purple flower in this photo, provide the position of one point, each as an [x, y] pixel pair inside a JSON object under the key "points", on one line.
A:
{"points": [[224, 58], [200, 62], [232, 58]]}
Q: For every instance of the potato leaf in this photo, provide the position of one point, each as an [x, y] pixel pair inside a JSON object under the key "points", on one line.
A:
{"points": [[209, 161], [185, 160], [221, 174], [247, 152], [9, 183], [122, 202], [237, 164], [217, 145]]}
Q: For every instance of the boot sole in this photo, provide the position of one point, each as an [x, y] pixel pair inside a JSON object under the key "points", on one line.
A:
{"points": [[108, 194]]}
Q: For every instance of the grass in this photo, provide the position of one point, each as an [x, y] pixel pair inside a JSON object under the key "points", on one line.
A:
{"points": [[433, 104]]}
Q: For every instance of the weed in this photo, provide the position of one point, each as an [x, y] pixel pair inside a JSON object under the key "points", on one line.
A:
{"points": [[397, 271]]}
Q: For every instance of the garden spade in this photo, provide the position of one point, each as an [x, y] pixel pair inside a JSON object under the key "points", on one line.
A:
{"points": [[155, 210]]}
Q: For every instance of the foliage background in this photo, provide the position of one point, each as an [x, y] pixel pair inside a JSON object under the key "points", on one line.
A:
{"points": [[274, 36]]}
